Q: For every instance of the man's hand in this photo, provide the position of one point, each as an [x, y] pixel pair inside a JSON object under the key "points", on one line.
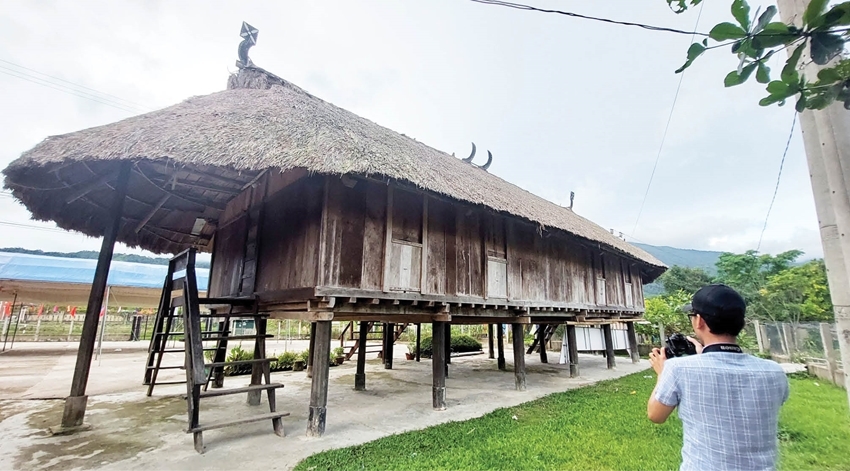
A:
{"points": [[697, 345], [657, 358]]}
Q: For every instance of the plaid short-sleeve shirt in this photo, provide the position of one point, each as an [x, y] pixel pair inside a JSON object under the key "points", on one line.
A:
{"points": [[729, 407]]}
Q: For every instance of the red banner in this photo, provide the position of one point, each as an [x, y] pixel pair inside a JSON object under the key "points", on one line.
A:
{"points": [[73, 311], [40, 310]]}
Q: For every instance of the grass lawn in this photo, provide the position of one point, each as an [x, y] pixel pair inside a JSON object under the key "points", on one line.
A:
{"points": [[601, 427]]}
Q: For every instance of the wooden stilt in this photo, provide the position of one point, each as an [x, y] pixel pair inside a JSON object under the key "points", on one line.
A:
{"points": [[500, 341], [418, 341], [438, 364], [360, 376], [490, 352], [388, 351], [609, 346], [75, 403], [519, 356], [633, 344], [572, 347], [448, 345], [311, 349], [319, 389], [541, 343], [385, 327]]}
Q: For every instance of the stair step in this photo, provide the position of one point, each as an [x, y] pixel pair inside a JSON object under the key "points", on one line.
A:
{"points": [[226, 392], [160, 383], [241, 362], [176, 367], [179, 350], [243, 420]]}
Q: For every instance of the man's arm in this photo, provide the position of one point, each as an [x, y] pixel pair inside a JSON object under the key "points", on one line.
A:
{"points": [[656, 410]]}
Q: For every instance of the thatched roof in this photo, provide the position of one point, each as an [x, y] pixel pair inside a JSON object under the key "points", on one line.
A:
{"points": [[223, 141]]}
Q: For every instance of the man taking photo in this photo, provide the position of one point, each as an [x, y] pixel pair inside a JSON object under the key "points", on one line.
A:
{"points": [[728, 401]]}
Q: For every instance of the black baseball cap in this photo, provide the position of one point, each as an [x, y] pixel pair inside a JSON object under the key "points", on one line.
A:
{"points": [[717, 300]]}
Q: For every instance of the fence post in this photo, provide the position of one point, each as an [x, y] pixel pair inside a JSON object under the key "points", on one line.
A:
{"points": [[829, 351], [759, 339], [788, 333]]}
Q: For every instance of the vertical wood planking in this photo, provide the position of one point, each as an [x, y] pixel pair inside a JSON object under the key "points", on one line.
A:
{"points": [[374, 236], [436, 237], [388, 234]]}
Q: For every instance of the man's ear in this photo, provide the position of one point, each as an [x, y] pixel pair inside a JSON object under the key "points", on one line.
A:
{"points": [[700, 323]]}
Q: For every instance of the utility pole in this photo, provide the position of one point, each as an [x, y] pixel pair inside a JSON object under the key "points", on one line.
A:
{"points": [[825, 135]]}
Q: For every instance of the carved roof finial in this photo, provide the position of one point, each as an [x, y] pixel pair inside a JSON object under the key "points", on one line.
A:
{"points": [[249, 38]]}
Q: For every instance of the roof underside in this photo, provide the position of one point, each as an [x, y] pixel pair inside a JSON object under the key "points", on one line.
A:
{"points": [[190, 159]]}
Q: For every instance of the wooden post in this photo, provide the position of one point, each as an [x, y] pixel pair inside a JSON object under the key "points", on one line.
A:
{"points": [[383, 352], [418, 341], [519, 356], [541, 343], [490, 349], [609, 346], [75, 403], [829, 351], [311, 349], [759, 338], [500, 344], [438, 364], [573, 349], [633, 344], [790, 343], [388, 353], [260, 326], [448, 346], [360, 376], [319, 387]]}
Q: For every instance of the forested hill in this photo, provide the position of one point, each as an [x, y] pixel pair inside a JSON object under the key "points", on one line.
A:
{"points": [[91, 254], [683, 257]]}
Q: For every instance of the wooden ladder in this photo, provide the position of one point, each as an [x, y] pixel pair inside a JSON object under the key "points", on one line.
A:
{"points": [[547, 333], [374, 333], [198, 373]]}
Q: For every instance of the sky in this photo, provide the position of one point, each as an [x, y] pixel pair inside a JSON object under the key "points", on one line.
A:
{"points": [[564, 104]]}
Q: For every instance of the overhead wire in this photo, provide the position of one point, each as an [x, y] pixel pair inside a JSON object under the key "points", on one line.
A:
{"points": [[521, 6], [778, 178], [666, 129]]}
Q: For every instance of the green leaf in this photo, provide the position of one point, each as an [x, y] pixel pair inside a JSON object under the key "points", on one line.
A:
{"points": [[801, 104], [726, 31], [827, 76], [774, 34], [733, 78], [825, 46], [694, 51], [812, 15], [839, 15], [779, 88], [763, 73], [789, 72], [770, 99], [765, 18], [741, 12]]}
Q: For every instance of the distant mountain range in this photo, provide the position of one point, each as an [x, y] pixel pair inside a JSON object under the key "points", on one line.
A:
{"points": [[91, 254], [704, 259]]}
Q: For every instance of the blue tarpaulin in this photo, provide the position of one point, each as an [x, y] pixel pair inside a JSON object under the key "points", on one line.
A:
{"points": [[15, 266]]}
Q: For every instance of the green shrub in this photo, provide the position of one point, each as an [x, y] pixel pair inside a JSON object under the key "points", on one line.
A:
{"points": [[304, 355], [238, 354], [338, 351], [460, 343], [286, 359]]}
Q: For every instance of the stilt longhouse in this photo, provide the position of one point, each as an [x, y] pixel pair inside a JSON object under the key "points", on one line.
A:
{"points": [[314, 213]]}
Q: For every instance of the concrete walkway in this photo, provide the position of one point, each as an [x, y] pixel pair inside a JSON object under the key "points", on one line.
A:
{"points": [[131, 431]]}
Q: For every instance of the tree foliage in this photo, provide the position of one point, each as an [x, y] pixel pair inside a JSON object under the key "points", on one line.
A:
{"points": [[687, 279], [666, 310], [755, 38]]}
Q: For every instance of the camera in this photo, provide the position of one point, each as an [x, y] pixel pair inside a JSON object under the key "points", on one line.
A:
{"points": [[678, 345]]}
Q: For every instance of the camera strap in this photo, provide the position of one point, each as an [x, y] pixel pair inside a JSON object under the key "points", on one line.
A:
{"points": [[722, 347]]}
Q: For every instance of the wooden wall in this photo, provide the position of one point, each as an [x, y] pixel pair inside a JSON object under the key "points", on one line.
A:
{"points": [[299, 232], [438, 247]]}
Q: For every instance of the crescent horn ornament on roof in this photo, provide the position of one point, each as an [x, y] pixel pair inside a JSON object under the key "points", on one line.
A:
{"points": [[471, 156], [249, 38], [489, 161]]}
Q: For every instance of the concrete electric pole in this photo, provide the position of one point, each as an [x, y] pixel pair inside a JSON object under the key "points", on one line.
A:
{"points": [[826, 136]]}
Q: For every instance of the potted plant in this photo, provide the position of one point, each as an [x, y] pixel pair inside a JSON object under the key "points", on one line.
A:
{"points": [[411, 351], [301, 362], [339, 355]]}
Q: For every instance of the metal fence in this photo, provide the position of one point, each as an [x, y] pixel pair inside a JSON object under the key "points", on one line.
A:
{"points": [[815, 344]]}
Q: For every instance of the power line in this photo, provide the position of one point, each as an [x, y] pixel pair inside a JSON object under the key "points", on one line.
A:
{"points": [[75, 84], [520, 6], [666, 128], [31, 226], [778, 178], [104, 100]]}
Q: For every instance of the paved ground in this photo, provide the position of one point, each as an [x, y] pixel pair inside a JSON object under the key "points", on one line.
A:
{"points": [[131, 431]]}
